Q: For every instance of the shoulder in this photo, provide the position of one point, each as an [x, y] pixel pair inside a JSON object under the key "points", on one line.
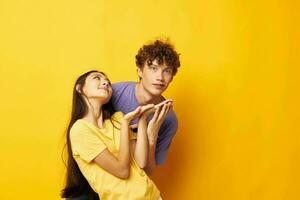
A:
{"points": [[122, 85], [118, 116], [122, 92], [78, 126], [81, 127], [171, 118]]}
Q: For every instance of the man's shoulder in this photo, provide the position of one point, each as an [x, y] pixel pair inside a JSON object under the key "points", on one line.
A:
{"points": [[171, 118], [123, 89], [123, 85], [123, 96]]}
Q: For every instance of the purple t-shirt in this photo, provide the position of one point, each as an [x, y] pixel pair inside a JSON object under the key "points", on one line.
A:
{"points": [[124, 100]]}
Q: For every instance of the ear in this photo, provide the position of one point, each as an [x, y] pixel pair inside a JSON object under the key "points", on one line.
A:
{"points": [[78, 88], [140, 72]]}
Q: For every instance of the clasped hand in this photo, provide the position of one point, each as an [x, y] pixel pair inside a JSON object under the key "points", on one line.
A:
{"points": [[159, 112]]}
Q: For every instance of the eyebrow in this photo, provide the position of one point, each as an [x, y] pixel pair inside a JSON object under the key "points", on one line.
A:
{"points": [[102, 76], [168, 67]]}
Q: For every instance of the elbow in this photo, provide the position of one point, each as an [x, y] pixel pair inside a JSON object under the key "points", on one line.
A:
{"points": [[124, 173], [142, 164]]}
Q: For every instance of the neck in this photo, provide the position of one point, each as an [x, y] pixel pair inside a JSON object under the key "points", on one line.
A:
{"points": [[94, 114], [145, 97]]}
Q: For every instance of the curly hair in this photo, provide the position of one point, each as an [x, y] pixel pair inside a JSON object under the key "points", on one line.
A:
{"points": [[161, 51]]}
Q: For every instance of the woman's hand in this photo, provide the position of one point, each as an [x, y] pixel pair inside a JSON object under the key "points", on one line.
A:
{"points": [[132, 115], [146, 111], [141, 111]]}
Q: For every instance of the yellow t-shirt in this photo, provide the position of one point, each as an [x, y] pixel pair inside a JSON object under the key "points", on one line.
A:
{"points": [[88, 141]]}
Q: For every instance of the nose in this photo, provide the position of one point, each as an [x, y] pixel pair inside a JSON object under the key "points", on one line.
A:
{"points": [[159, 76], [105, 83]]}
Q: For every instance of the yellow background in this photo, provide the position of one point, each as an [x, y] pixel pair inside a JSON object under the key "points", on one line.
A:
{"points": [[236, 94]]}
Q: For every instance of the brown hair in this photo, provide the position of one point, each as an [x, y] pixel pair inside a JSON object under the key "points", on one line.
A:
{"points": [[76, 184], [159, 50]]}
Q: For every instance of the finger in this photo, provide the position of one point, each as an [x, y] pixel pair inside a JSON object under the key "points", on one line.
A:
{"points": [[154, 118], [163, 102], [134, 113], [148, 112], [169, 101], [169, 105], [162, 112], [137, 111], [147, 107], [167, 111]]}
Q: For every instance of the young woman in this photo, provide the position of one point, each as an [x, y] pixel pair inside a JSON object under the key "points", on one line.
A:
{"points": [[103, 154]]}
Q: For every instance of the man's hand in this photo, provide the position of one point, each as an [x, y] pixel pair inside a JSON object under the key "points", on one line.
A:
{"points": [[161, 111], [160, 114]]}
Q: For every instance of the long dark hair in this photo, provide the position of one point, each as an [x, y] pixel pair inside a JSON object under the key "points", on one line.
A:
{"points": [[76, 184]]}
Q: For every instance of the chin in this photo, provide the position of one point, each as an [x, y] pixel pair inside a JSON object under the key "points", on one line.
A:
{"points": [[105, 98], [156, 92], [105, 101]]}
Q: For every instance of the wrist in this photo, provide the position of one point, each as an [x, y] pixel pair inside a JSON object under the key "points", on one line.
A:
{"points": [[152, 142], [143, 118], [124, 122]]}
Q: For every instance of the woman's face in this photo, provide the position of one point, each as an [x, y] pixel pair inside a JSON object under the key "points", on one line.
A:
{"points": [[97, 86]]}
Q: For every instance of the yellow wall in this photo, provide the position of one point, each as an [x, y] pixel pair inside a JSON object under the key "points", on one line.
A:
{"points": [[236, 94]]}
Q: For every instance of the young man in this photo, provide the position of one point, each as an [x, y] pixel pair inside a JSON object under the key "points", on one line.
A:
{"points": [[157, 64]]}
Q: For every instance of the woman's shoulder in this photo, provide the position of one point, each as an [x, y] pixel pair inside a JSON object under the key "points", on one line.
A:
{"points": [[118, 116], [79, 125]]}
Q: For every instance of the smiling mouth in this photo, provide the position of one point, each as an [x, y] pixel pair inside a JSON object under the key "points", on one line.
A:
{"points": [[104, 89]]}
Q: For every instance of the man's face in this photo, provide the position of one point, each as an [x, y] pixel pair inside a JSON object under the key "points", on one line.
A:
{"points": [[155, 78]]}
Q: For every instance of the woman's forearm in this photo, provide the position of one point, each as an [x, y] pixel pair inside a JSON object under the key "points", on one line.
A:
{"points": [[141, 147], [117, 165], [124, 151]]}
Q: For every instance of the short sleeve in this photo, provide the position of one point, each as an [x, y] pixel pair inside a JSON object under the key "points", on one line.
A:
{"points": [[85, 143], [118, 116], [166, 135]]}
